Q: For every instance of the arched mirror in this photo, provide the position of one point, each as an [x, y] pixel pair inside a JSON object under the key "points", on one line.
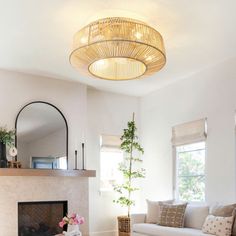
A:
{"points": [[41, 137]]}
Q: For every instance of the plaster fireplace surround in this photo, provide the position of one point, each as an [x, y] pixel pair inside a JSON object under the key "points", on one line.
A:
{"points": [[15, 189]]}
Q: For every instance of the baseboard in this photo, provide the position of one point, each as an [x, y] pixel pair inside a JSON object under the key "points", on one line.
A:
{"points": [[104, 233]]}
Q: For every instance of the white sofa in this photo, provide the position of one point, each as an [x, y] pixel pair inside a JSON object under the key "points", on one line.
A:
{"points": [[194, 219]]}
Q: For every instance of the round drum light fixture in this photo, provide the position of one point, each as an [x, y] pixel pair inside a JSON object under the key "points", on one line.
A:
{"points": [[118, 48]]}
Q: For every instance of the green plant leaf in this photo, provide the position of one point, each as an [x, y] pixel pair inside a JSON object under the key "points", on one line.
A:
{"points": [[129, 144], [7, 136]]}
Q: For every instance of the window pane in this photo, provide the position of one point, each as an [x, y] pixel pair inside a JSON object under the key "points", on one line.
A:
{"points": [[191, 172], [110, 174], [62, 163], [191, 163], [191, 188]]}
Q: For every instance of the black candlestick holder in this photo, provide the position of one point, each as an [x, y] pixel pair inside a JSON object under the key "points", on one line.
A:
{"points": [[76, 154], [83, 160]]}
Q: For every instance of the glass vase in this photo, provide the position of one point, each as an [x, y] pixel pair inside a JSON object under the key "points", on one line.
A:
{"points": [[73, 230]]}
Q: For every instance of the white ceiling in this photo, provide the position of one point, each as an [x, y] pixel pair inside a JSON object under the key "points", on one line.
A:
{"points": [[36, 36]]}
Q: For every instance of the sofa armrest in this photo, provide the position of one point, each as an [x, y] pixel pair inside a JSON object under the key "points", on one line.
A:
{"points": [[137, 218]]}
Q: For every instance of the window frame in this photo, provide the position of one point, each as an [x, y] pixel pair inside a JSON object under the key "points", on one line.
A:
{"points": [[175, 171]]}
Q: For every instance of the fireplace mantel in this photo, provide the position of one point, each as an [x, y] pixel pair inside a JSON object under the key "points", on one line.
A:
{"points": [[41, 172]]}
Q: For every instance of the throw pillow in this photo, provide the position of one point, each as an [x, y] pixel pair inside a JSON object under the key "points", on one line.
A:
{"points": [[153, 210], [225, 211], [172, 215], [218, 225], [195, 216], [220, 210]]}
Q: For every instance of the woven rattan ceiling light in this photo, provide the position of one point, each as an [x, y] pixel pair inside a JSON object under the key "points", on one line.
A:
{"points": [[118, 48]]}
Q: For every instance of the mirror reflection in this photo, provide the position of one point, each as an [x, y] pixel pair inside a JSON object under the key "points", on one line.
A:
{"points": [[41, 137]]}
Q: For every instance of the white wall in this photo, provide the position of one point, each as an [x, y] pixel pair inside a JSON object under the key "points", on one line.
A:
{"points": [[210, 93], [22, 154], [88, 115], [108, 113], [18, 89], [53, 145], [71, 98]]}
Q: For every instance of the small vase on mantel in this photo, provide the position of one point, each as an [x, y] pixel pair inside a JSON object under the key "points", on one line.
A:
{"points": [[73, 230], [3, 157]]}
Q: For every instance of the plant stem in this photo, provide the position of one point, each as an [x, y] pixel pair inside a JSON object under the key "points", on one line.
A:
{"points": [[130, 163]]}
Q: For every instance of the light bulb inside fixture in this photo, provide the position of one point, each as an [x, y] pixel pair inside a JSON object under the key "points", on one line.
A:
{"points": [[121, 61], [100, 62], [83, 40], [138, 35], [149, 58]]}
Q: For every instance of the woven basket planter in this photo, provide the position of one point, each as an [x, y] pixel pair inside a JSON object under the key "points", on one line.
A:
{"points": [[124, 225]]}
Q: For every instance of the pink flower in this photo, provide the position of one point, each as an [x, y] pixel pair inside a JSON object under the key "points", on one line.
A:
{"points": [[76, 222], [74, 219], [80, 219], [61, 224]]}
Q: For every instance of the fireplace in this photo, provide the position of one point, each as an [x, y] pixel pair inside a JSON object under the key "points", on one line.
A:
{"points": [[40, 218]]}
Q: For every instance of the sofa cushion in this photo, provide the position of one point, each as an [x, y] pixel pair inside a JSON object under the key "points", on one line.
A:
{"points": [[153, 210], [225, 210], [218, 225], [172, 215], [157, 230], [195, 216]]}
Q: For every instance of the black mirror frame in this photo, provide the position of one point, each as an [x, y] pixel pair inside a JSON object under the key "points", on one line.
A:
{"points": [[47, 103]]}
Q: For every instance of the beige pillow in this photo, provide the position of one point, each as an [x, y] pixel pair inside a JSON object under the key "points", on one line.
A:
{"points": [[225, 211], [172, 215], [218, 225], [220, 210], [195, 216], [153, 210]]}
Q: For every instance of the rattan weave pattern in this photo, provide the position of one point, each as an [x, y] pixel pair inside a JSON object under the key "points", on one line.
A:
{"points": [[131, 49]]}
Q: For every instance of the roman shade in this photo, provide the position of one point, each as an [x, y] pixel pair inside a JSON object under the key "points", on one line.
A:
{"points": [[191, 132], [110, 142]]}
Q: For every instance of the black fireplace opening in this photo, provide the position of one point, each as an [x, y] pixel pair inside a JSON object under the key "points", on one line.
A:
{"points": [[40, 218]]}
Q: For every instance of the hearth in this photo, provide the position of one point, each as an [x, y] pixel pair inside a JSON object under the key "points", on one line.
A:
{"points": [[40, 218]]}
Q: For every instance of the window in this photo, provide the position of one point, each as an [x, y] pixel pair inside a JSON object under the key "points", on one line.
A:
{"points": [[49, 163], [189, 143], [190, 172], [110, 158], [110, 174], [62, 163]]}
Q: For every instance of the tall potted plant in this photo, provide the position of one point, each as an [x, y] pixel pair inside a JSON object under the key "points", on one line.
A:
{"points": [[6, 138], [132, 150]]}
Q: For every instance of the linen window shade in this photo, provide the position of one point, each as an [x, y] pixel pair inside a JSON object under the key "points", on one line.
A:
{"points": [[110, 142], [191, 132]]}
